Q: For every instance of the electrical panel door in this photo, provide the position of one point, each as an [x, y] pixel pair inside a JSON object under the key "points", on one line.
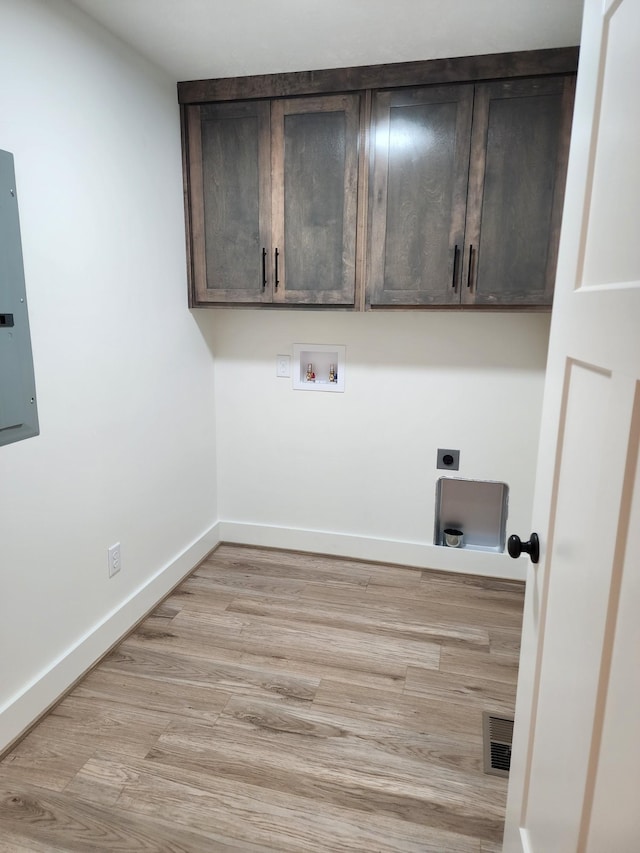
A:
{"points": [[18, 410]]}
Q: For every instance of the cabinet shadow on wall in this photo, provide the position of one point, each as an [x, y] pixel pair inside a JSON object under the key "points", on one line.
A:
{"points": [[447, 340]]}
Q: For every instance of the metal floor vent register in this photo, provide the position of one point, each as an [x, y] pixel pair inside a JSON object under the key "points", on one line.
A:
{"points": [[497, 740]]}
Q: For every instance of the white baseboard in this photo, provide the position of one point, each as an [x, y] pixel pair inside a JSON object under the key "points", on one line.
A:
{"points": [[23, 709], [416, 554]]}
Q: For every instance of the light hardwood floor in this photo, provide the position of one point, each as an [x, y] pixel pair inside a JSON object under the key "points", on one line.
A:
{"points": [[281, 702]]}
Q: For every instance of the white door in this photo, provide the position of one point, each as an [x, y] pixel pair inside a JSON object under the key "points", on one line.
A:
{"points": [[575, 773]]}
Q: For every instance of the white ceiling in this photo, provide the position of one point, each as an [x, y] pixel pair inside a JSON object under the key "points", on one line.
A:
{"points": [[194, 39]]}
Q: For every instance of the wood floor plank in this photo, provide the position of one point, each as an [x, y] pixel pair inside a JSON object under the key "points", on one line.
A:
{"points": [[505, 640], [225, 583], [305, 642], [375, 741], [288, 564], [100, 781], [163, 614], [170, 697], [69, 824], [200, 596], [466, 581], [174, 673], [279, 701], [288, 821], [486, 693], [217, 644], [44, 761], [90, 724], [497, 666], [360, 616], [320, 670], [310, 773], [296, 823], [422, 713], [474, 591], [451, 610], [12, 843]]}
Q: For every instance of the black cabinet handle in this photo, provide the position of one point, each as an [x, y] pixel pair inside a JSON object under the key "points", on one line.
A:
{"points": [[515, 546], [276, 257], [264, 268], [455, 266], [470, 266], [6, 319]]}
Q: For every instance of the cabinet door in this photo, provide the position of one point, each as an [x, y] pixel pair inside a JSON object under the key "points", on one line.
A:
{"points": [[420, 153], [230, 201], [519, 150], [314, 149]]}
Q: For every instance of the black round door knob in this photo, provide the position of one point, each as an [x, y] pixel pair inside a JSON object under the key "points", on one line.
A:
{"points": [[515, 547]]}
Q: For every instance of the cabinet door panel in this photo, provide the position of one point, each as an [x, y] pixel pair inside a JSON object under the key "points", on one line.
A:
{"points": [[516, 189], [420, 153], [230, 188], [315, 175]]}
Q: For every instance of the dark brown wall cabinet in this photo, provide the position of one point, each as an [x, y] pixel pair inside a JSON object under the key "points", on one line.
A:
{"points": [[435, 183], [467, 190], [273, 200]]}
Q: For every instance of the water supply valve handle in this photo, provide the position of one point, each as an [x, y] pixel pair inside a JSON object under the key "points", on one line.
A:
{"points": [[515, 547]]}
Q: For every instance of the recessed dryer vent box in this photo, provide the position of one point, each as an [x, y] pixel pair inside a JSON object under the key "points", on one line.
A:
{"points": [[318, 367], [478, 508]]}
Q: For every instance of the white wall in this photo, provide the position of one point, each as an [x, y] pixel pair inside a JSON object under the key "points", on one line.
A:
{"points": [[355, 473], [124, 376]]}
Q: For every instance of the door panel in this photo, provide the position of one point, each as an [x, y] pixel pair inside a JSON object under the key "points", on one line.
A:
{"points": [[419, 186], [579, 567], [613, 794], [606, 259]]}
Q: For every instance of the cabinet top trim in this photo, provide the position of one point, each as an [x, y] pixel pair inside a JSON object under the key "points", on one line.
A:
{"points": [[561, 60]]}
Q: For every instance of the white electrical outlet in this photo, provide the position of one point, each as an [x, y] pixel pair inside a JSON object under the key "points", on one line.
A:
{"points": [[115, 561], [283, 366]]}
